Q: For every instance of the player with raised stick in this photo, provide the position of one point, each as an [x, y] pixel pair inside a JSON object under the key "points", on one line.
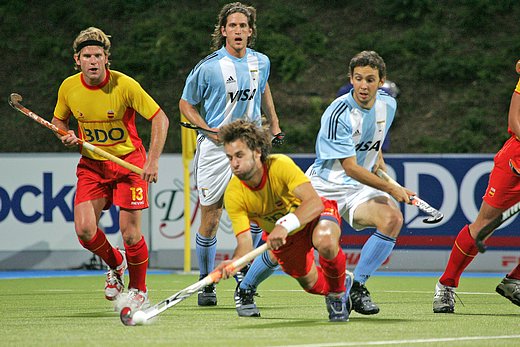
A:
{"points": [[105, 103], [273, 192], [503, 192]]}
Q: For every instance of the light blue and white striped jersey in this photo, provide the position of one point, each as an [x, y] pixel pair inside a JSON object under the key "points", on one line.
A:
{"points": [[228, 88], [348, 130]]}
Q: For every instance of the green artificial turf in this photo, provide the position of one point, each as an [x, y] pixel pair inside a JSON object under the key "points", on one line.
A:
{"points": [[72, 311]]}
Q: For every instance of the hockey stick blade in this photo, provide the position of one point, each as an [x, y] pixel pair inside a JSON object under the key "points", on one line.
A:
{"points": [[126, 315], [488, 229], [196, 127], [435, 215]]}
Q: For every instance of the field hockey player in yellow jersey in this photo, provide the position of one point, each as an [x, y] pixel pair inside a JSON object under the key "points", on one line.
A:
{"points": [[105, 103], [273, 192]]}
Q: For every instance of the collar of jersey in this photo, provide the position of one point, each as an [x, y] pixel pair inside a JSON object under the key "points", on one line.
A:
{"points": [[99, 86]]}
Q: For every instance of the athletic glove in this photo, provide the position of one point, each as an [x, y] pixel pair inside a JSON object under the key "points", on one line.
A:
{"points": [[278, 139]]}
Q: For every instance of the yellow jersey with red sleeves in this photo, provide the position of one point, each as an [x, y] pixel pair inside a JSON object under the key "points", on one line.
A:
{"points": [[106, 113], [268, 202], [517, 89]]}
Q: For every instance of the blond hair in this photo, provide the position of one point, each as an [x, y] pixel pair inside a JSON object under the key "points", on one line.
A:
{"points": [[91, 36]]}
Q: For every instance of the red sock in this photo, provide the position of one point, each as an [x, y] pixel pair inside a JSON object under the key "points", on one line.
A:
{"points": [[137, 258], [334, 272], [515, 273], [321, 287], [463, 252], [100, 246]]}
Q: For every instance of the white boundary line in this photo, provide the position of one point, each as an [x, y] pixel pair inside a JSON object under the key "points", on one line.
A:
{"points": [[412, 341]]}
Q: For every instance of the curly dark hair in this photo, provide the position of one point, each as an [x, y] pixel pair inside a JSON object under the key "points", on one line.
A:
{"points": [[253, 136]]}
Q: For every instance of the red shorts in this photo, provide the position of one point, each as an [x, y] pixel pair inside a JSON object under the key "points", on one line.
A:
{"points": [[99, 179], [297, 255], [503, 189]]}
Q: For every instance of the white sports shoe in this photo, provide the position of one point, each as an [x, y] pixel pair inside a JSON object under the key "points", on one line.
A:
{"points": [[137, 300], [114, 283], [444, 299]]}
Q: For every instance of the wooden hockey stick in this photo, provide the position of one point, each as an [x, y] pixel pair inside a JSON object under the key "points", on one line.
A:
{"points": [[14, 101]]}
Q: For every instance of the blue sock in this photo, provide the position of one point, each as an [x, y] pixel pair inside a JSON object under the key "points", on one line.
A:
{"points": [[256, 233], [206, 248], [374, 252], [260, 269]]}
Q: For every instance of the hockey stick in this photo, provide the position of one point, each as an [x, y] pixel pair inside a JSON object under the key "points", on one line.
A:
{"points": [[196, 127], [488, 229], [276, 140], [141, 317], [435, 215], [14, 101]]}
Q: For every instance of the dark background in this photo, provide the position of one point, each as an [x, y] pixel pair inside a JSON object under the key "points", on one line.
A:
{"points": [[454, 62]]}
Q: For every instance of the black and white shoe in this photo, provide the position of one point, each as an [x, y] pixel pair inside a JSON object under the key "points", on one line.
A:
{"points": [[245, 302], [361, 300]]}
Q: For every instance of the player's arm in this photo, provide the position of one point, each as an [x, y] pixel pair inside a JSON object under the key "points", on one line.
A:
{"points": [[160, 125], [244, 246], [192, 114], [364, 176], [514, 113], [68, 140], [311, 206], [270, 111], [380, 163]]}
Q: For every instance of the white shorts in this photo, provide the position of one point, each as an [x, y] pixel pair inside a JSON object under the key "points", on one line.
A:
{"points": [[212, 171], [348, 197]]}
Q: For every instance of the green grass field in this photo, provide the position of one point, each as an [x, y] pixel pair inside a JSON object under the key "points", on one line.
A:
{"points": [[72, 311]]}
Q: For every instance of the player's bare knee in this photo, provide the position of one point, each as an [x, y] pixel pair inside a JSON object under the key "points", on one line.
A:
{"points": [[392, 224]]}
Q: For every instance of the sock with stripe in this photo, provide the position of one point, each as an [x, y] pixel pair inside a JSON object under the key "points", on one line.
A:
{"points": [[321, 287], [373, 254], [334, 271], [256, 233], [462, 254], [206, 248], [261, 268], [100, 246], [137, 259]]}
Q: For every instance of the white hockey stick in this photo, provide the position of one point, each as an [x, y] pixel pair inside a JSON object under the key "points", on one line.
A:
{"points": [[141, 317], [435, 215]]}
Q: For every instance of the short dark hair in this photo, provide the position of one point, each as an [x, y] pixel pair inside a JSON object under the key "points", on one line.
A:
{"points": [[368, 58], [252, 135]]}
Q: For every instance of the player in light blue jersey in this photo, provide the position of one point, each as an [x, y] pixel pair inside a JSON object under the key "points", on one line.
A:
{"points": [[348, 151], [231, 83]]}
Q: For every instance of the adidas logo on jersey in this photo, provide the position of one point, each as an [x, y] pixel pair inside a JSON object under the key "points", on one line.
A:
{"points": [[357, 133], [230, 80]]}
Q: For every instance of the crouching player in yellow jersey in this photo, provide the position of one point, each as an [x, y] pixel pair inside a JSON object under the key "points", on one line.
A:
{"points": [[273, 192], [104, 103]]}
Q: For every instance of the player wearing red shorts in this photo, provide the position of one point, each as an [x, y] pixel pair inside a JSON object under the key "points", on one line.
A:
{"points": [[273, 192], [104, 103], [502, 192]]}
